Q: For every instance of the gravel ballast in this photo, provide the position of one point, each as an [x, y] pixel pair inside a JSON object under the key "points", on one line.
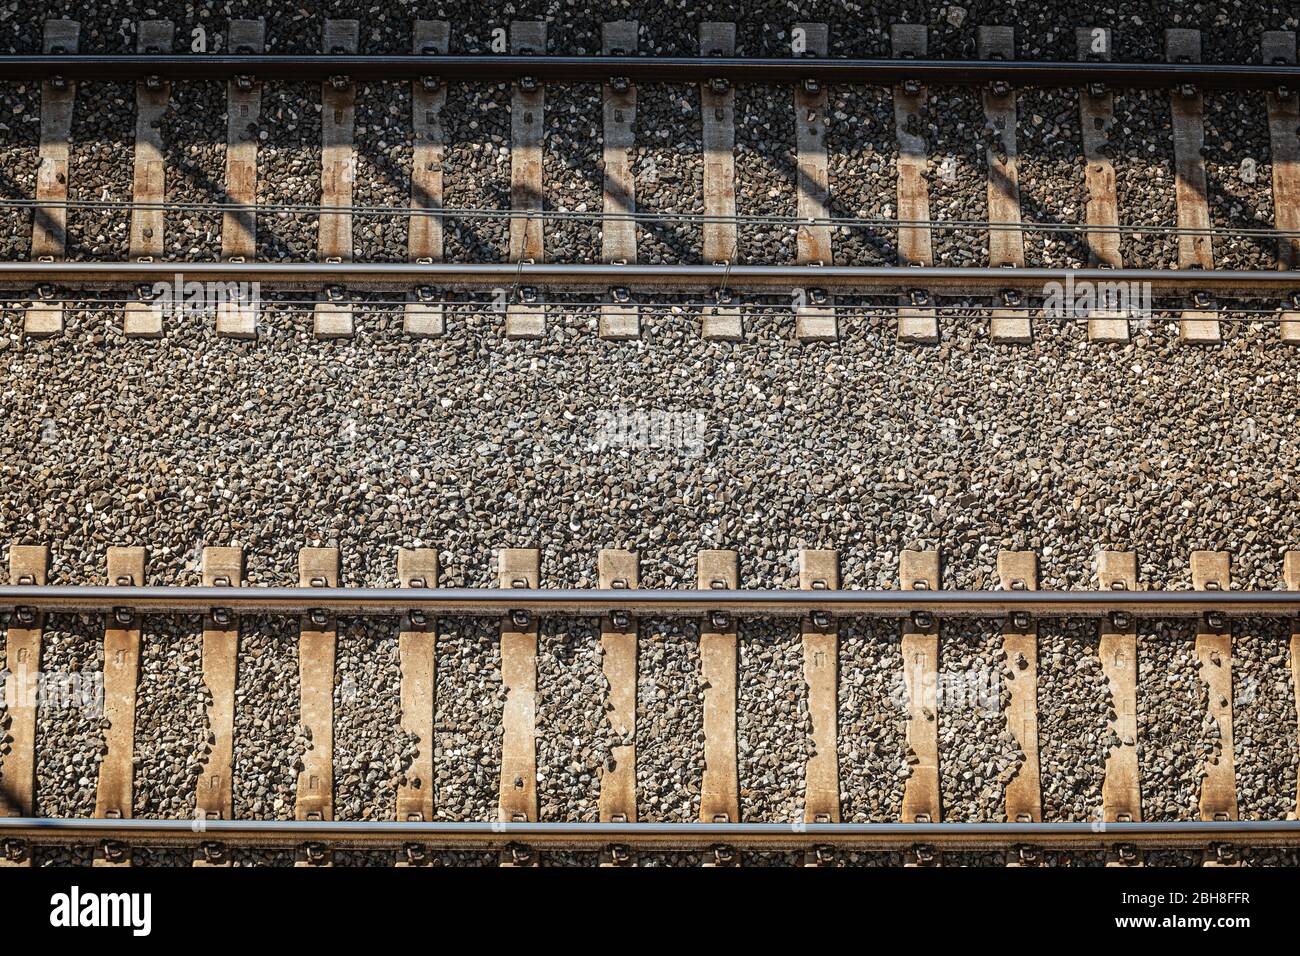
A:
{"points": [[762, 28], [978, 755], [100, 164], [20, 137], [194, 151], [383, 150], [1239, 179], [1175, 734], [171, 729], [367, 716], [1074, 707], [268, 738], [669, 168], [467, 720], [289, 169], [572, 172], [69, 720], [772, 722], [872, 722], [766, 171], [477, 171], [958, 133], [1142, 152], [574, 735], [669, 723], [1264, 719], [862, 160], [1051, 175]]}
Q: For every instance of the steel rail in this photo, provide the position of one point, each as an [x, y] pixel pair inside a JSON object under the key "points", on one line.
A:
{"points": [[471, 309], [650, 836], [672, 277], [650, 218], [27, 599], [673, 69]]}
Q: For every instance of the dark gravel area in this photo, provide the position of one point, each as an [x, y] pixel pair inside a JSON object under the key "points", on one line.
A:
{"points": [[873, 708], [1074, 704], [101, 169], [194, 151], [669, 722], [772, 858], [69, 733], [975, 858], [942, 477], [1043, 32], [367, 720], [1264, 719], [669, 168], [574, 735], [669, 859], [20, 139], [868, 858], [354, 858], [289, 169], [268, 742], [1051, 169], [477, 170], [863, 155], [63, 856], [1172, 858], [1175, 734], [161, 856], [1073, 858], [958, 175], [772, 722], [570, 858], [1142, 152], [1239, 178], [978, 755], [171, 727], [766, 171], [468, 703], [383, 150], [1259, 856], [572, 174]]}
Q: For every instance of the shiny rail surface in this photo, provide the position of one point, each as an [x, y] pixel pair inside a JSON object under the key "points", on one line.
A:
{"points": [[672, 277], [29, 599], [661, 836], [932, 72]]}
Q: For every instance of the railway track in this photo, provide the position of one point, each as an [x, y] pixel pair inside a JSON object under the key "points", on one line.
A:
{"points": [[820, 607], [895, 201], [1001, 288]]}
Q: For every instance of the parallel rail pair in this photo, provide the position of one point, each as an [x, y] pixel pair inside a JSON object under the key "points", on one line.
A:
{"points": [[915, 281], [819, 606]]}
